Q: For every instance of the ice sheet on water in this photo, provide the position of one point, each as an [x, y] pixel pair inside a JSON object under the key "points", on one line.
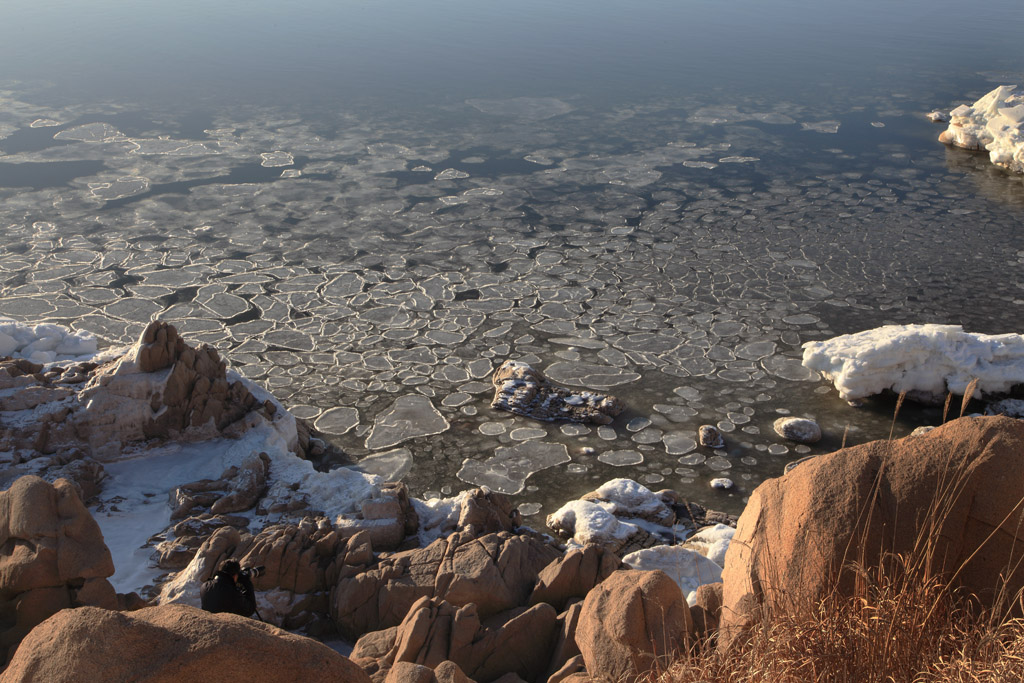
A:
{"points": [[509, 468], [621, 457], [589, 375], [409, 417], [337, 420], [390, 465], [525, 108], [90, 132]]}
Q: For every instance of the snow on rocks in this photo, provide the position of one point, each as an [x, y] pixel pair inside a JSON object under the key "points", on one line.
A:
{"points": [[520, 389], [712, 542], [995, 124], [938, 116], [800, 429], [44, 343], [686, 567], [628, 516], [1011, 407], [927, 361]]}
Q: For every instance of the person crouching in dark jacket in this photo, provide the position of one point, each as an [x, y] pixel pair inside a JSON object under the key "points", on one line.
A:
{"points": [[230, 590]]}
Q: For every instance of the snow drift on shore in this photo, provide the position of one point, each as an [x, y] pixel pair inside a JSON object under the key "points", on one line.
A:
{"points": [[924, 360], [995, 123]]}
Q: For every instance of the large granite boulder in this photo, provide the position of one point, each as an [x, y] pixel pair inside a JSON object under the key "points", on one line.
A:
{"points": [[631, 623], [957, 488], [52, 556], [171, 644], [434, 631], [574, 574], [496, 572]]}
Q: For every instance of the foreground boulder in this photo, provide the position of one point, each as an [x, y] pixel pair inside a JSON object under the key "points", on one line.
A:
{"points": [[798, 533], [631, 623], [171, 644], [53, 557]]}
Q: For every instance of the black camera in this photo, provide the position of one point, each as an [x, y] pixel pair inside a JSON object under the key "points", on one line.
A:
{"points": [[253, 572]]}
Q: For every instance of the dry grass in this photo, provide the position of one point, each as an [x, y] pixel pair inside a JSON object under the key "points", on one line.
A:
{"points": [[903, 623], [905, 627]]}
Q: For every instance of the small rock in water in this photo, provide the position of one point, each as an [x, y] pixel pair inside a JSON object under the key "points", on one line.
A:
{"points": [[800, 429], [520, 389], [1011, 407], [710, 437], [723, 483]]}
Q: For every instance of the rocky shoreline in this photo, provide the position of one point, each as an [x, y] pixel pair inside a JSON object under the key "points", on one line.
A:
{"points": [[459, 586]]}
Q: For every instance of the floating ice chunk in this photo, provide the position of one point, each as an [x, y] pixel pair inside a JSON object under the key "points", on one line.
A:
{"points": [[688, 568], [621, 458], [938, 116], [723, 483], [995, 123], [337, 421], [90, 132], [821, 126], [44, 123], [738, 160], [451, 174], [589, 375], [927, 360], [276, 159], [125, 186], [509, 468], [409, 417], [390, 466]]}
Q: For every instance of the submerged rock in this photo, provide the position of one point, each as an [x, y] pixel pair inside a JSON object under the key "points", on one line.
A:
{"points": [[800, 429], [520, 389]]}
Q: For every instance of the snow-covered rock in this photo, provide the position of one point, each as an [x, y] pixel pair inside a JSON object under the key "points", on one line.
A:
{"points": [[712, 542], [800, 429], [926, 361], [995, 123]]}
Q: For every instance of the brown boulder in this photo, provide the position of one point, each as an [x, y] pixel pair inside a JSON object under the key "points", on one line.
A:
{"points": [[574, 574], [707, 610], [632, 622], [496, 572], [434, 631], [52, 556], [798, 532], [171, 644]]}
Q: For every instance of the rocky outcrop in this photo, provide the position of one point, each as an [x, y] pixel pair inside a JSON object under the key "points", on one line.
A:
{"points": [[388, 517], [630, 623], [496, 572], [172, 644], [520, 389], [302, 562], [958, 487], [52, 556], [707, 610], [435, 631]]}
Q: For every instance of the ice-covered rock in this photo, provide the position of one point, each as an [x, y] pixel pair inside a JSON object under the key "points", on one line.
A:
{"points": [[686, 567], [520, 389], [938, 116], [926, 361], [1011, 407], [711, 437], [801, 429], [995, 124], [722, 483]]}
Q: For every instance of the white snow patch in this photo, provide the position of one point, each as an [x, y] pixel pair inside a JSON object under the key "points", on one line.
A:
{"points": [[712, 542], [929, 360], [45, 343], [687, 568]]}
